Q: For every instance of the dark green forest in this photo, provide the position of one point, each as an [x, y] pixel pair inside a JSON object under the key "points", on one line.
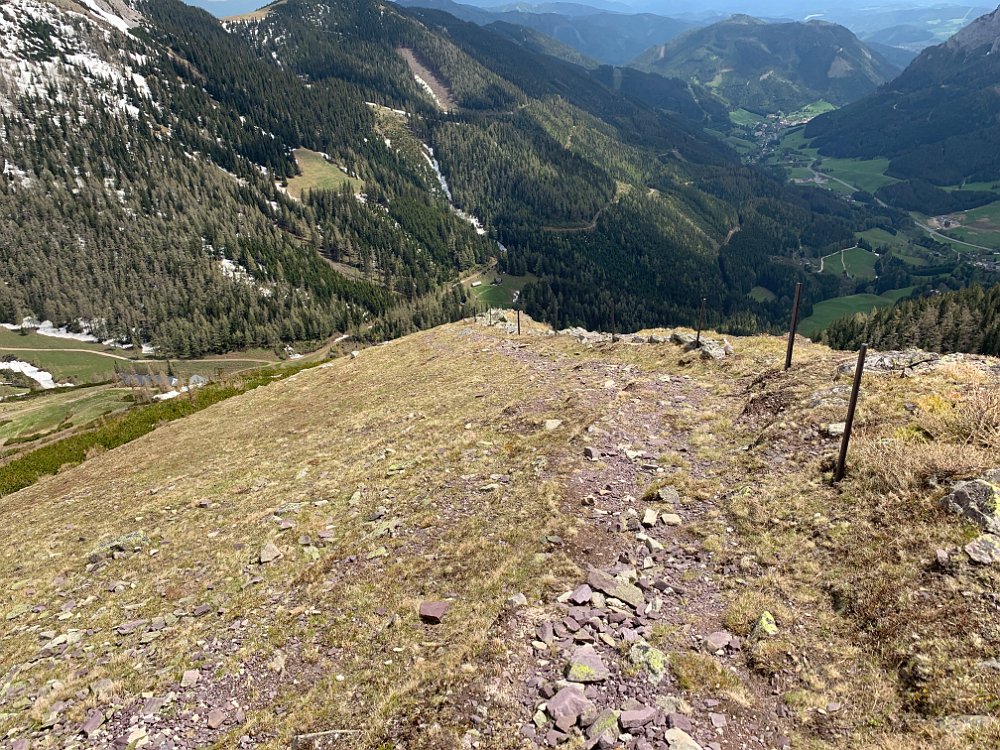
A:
{"points": [[967, 320]]}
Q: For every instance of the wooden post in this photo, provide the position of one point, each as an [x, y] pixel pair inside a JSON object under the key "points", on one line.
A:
{"points": [[794, 326], [614, 336], [701, 321], [859, 370], [519, 321]]}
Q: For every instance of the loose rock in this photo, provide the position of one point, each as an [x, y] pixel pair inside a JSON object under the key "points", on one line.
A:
{"points": [[433, 612], [585, 665]]}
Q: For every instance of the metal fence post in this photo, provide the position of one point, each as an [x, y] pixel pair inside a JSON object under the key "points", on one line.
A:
{"points": [[795, 325], [838, 473], [701, 321]]}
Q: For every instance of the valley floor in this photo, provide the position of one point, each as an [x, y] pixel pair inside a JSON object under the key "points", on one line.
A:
{"points": [[255, 571]]}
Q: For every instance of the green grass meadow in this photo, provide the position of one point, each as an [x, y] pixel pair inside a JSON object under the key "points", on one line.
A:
{"points": [[824, 313]]}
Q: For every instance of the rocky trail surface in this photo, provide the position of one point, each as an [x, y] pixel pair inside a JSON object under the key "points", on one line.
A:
{"points": [[471, 539]]}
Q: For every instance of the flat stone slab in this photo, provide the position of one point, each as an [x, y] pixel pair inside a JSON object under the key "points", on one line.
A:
{"points": [[619, 589], [585, 665]]}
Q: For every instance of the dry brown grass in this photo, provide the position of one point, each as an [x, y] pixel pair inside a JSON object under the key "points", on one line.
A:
{"points": [[866, 618]]}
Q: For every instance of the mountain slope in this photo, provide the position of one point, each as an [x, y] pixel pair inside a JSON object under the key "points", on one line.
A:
{"points": [[769, 67], [937, 121], [178, 234], [256, 571], [329, 166]]}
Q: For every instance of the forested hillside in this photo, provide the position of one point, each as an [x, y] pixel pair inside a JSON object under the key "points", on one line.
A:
{"points": [[327, 166], [139, 194], [937, 121], [963, 321], [772, 67]]}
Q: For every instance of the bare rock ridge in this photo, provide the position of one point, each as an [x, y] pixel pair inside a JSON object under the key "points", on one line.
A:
{"points": [[985, 30]]}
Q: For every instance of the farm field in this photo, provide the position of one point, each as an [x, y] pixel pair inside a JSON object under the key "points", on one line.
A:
{"points": [[762, 294], [857, 262], [498, 295], [824, 313], [980, 226], [58, 409]]}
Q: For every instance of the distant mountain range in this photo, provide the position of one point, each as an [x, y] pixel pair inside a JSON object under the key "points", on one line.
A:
{"points": [[613, 38], [768, 67], [937, 122]]}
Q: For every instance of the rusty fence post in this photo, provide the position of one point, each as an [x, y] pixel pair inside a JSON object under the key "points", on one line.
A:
{"points": [[795, 325], [701, 321], [859, 370]]}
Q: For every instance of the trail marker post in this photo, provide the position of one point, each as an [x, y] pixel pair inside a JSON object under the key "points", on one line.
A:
{"points": [[794, 326], [859, 370], [701, 320]]}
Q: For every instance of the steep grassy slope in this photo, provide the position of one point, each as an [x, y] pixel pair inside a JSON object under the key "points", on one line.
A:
{"points": [[772, 67], [431, 469]]}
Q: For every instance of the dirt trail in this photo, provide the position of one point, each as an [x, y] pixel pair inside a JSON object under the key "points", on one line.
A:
{"points": [[642, 416]]}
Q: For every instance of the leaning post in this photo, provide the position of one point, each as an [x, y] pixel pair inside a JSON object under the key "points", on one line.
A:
{"points": [[701, 321], [859, 370], [794, 326]]}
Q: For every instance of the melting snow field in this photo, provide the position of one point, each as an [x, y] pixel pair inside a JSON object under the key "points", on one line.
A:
{"points": [[43, 378]]}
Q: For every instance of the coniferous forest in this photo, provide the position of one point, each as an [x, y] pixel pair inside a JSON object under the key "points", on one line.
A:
{"points": [[163, 202]]}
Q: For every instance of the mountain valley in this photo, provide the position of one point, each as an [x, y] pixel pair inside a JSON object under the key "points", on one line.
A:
{"points": [[425, 376]]}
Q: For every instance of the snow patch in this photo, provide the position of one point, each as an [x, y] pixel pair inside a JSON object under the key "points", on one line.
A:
{"points": [[446, 189], [43, 378], [111, 18]]}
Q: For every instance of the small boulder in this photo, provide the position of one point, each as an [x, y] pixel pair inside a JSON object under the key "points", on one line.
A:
{"points": [[567, 706], [605, 725], [978, 500], [616, 588], [190, 678], [216, 718], [765, 626], [552, 424], [648, 658], [94, 721], [636, 718], [668, 495], [269, 553], [433, 612], [836, 429], [985, 550], [678, 739], [718, 640], [582, 594], [585, 665]]}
